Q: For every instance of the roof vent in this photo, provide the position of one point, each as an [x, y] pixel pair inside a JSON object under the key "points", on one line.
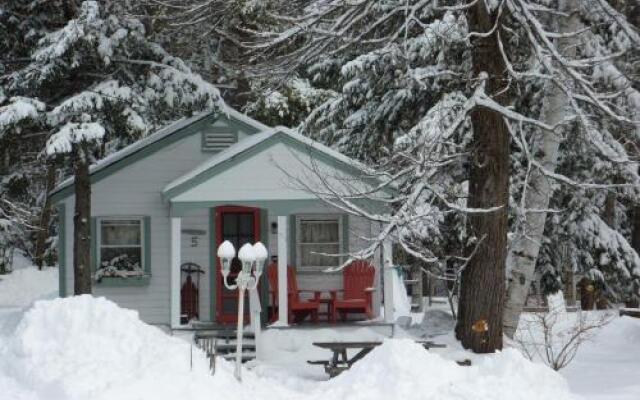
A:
{"points": [[214, 142]]}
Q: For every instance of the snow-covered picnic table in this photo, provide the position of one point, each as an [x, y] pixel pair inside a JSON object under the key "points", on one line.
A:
{"points": [[340, 361]]}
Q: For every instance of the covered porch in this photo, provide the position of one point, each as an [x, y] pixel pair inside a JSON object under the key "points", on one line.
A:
{"points": [[265, 188], [293, 232]]}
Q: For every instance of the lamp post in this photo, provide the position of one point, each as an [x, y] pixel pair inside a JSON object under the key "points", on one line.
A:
{"points": [[252, 259]]}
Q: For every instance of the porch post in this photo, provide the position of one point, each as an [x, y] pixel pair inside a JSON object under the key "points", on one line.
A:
{"points": [[387, 268], [283, 253], [175, 272]]}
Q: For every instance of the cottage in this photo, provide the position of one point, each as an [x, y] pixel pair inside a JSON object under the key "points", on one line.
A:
{"points": [[161, 207]]}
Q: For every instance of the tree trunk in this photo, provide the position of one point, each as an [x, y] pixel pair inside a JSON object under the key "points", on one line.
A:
{"points": [[525, 246], [45, 216], [635, 236], [609, 212], [479, 326], [81, 221]]}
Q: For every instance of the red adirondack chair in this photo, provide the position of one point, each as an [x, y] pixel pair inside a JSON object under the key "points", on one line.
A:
{"points": [[358, 290], [298, 309]]}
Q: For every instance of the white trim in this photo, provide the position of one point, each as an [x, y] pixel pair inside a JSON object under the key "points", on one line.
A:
{"points": [[283, 243], [317, 217], [175, 257]]}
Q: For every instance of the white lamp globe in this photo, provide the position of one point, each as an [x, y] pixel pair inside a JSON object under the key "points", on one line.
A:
{"points": [[226, 250], [247, 255], [261, 256]]}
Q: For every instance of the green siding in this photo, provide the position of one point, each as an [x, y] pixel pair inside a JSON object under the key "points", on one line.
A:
{"points": [[213, 273], [278, 137], [292, 241], [264, 282], [62, 250], [345, 234], [147, 245], [94, 244], [195, 127]]}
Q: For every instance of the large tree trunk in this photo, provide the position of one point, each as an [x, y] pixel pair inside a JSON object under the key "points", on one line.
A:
{"points": [[525, 247], [81, 221], [479, 326], [635, 236], [45, 216]]}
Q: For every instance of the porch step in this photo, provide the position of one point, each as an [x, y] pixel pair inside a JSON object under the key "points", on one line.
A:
{"points": [[223, 343], [246, 356]]}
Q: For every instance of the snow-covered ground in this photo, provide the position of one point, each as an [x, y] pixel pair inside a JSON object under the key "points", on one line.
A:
{"points": [[608, 366], [89, 348], [24, 285]]}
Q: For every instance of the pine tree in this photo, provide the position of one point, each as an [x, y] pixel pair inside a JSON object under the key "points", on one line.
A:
{"points": [[98, 80], [391, 66]]}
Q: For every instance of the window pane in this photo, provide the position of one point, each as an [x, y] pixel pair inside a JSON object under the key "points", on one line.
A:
{"points": [[230, 224], [309, 259], [120, 232], [246, 224], [124, 259], [319, 232]]}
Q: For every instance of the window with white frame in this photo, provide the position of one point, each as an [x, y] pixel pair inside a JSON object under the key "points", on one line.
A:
{"points": [[318, 241], [120, 247]]}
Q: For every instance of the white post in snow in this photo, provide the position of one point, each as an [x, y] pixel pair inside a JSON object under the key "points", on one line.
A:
{"points": [[175, 272], [387, 268], [283, 240], [255, 309]]}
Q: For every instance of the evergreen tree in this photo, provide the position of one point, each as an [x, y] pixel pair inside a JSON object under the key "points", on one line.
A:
{"points": [[483, 68], [95, 85]]}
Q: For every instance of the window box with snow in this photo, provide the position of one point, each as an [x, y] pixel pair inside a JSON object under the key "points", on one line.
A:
{"points": [[121, 251], [318, 239]]}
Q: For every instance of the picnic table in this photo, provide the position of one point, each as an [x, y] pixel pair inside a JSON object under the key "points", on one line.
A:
{"points": [[340, 361]]}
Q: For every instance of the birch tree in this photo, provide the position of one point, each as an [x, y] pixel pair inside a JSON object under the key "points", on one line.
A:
{"points": [[395, 67], [523, 252]]}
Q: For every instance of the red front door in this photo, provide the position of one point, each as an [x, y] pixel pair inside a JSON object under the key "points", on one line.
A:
{"points": [[239, 225]]}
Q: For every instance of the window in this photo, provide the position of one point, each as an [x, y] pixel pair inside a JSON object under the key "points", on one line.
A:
{"points": [[120, 247], [318, 236]]}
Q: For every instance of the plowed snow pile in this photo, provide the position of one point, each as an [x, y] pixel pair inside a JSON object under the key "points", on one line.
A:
{"points": [[401, 369], [86, 348], [89, 348]]}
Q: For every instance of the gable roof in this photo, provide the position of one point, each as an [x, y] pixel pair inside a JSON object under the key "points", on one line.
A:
{"points": [[227, 158], [154, 142]]}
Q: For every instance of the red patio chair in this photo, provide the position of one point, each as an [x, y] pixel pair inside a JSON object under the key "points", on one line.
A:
{"points": [[358, 288], [298, 309]]}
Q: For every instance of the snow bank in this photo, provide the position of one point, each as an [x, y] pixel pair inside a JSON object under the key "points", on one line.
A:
{"points": [[606, 367], [89, 348], [402, 369], [26, 284]]}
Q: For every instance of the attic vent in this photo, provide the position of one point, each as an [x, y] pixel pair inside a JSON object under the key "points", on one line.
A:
{"points": [[218, 141]]}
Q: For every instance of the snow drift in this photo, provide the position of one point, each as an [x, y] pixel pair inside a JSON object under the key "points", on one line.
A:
{"points": [[89, 348], [402, 369]]}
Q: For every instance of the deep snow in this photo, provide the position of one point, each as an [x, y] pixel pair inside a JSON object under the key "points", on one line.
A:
{"points": [[89, 348], [27, 284]]}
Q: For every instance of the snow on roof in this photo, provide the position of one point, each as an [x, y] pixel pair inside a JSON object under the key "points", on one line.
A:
{"points": [[168, 130], [254, 140]]}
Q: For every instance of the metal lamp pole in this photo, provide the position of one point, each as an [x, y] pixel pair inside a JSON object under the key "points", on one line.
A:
{"points": [[252, 259]]}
